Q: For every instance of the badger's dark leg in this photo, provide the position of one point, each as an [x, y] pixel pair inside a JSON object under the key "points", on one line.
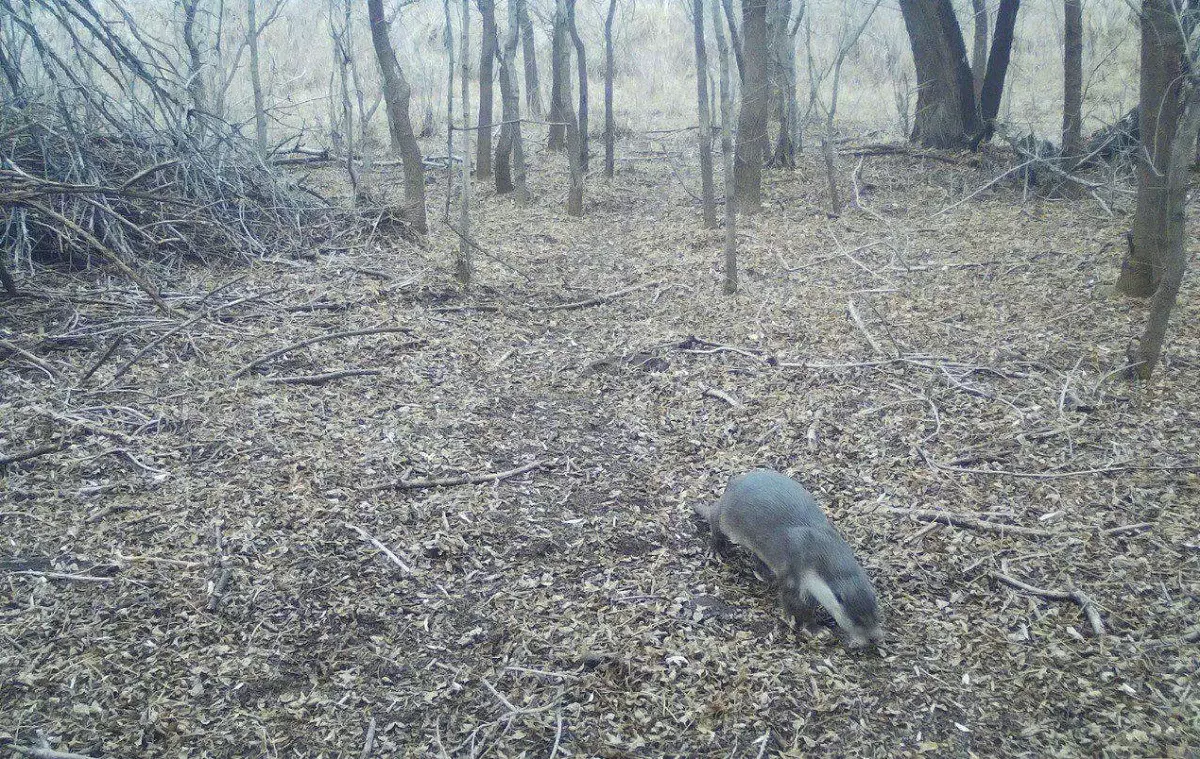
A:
{"points": [[719, 541]]}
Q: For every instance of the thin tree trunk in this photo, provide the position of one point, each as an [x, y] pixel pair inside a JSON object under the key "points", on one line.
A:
{"points": [[997, 68], [581, 67], [449, 40], [559, 78], [195, 81], [533, 92], [1159, 112], [1072, 132], [398, 96], [752, 122], [562, 64], [731, 268], [487, 55], [342, 65], [610, 125], [260, 111], [979, 51], [510, 151], [706, 167], [735, 38], [464, 267]]}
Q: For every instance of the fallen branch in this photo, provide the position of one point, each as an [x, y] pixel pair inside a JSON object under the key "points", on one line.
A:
{"points": [[9, 346], [41, 753], [598, 300], [41, 450], [1074, 596], [453, 481], [1127, 528], [317, 379], [862, 327], [970, 523], [64, 576], [313, 341], [375, 542], [218, 590], [720, 395], [1062, 475]]}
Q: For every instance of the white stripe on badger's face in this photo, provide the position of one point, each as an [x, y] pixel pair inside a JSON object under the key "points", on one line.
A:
{"points": [[820, 590]]}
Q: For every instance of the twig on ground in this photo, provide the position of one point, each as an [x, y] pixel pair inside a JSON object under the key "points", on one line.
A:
{"points": [[313, 341], [64, 576], [218, 589], [464, 480], [376, 542], [712, 392], [108, 352], [1127, 528], [862, 327], [39, 363], [41, 450], [557, 735], [599, 299], [41, 753], [369, 741], [1074, 596], [317, 379], [969, 522], [1115, 468]]}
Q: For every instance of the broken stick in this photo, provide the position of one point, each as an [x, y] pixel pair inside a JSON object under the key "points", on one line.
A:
{"points": [[970, 523], [1074, 596], [464, 480]]}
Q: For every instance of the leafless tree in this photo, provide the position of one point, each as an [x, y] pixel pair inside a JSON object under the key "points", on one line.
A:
{"points": [[196, 75], [781, 31], [560, 83], [997, 68], [705, 139], [398, 96], [510, 151], [731, 269], [946, 114], [464, 267], [448, 39], [533, 92], [752, 121], [487, 55], [260, 110], [979, 14], [1072, 130], [566, 111], [339, 34], [581, 68], [610, 126], [1170, 117]]}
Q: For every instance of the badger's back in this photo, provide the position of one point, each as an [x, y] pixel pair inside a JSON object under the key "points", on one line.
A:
{"points": [[760, 509]]}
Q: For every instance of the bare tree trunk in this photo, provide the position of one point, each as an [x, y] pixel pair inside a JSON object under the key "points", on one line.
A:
{"points": [[510, 152], [706, 167], [610, 125], [946, 115], [752, 122], [260, 111], [980, 49], [731, 268], [559, 81], [735, 38], [783, 50], [1072, 132], [195, 81], [342, 65], [487, 55], [449, 40], [581, 67], [533, 92], [1162, 73], [398, 95], [993, 80], [561, 65], [464, 267]]}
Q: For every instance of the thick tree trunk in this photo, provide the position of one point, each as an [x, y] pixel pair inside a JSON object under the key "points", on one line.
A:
{"points": [[783, 50], [1072, 130], [510, 152], [487, 56], [397, 96], [581, 67], [945, 113], [562, 64], [752, 122], [260, 110], [533, 88], [979, 51], [706, 167], [559, 79], [1161, 75], [731, 269], [997, 68], [610, 125]]}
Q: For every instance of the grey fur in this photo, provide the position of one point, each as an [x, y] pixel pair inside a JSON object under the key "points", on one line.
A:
{"points": [[779, 521]]}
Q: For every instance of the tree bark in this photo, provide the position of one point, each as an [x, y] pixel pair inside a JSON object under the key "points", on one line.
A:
{"points": [[449, 40], [397, 97], [610, 125], [731, 269], [752, 121], [464, 266], [260, 111], [562, 64], [559, 81], [1072, 129], [705, 145], [1159, 96], [784, 52], [581, 67], [997, 68], [487, 56], [945, 115], [980, 49], [195, 81], [510, 151], [735, 38], [533, 92]]}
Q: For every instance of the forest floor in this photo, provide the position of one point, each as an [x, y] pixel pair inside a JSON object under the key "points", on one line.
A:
{"points": [[197, 567]]}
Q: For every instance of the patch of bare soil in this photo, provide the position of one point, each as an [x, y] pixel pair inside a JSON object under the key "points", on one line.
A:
{"points": [[212, 562]]}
